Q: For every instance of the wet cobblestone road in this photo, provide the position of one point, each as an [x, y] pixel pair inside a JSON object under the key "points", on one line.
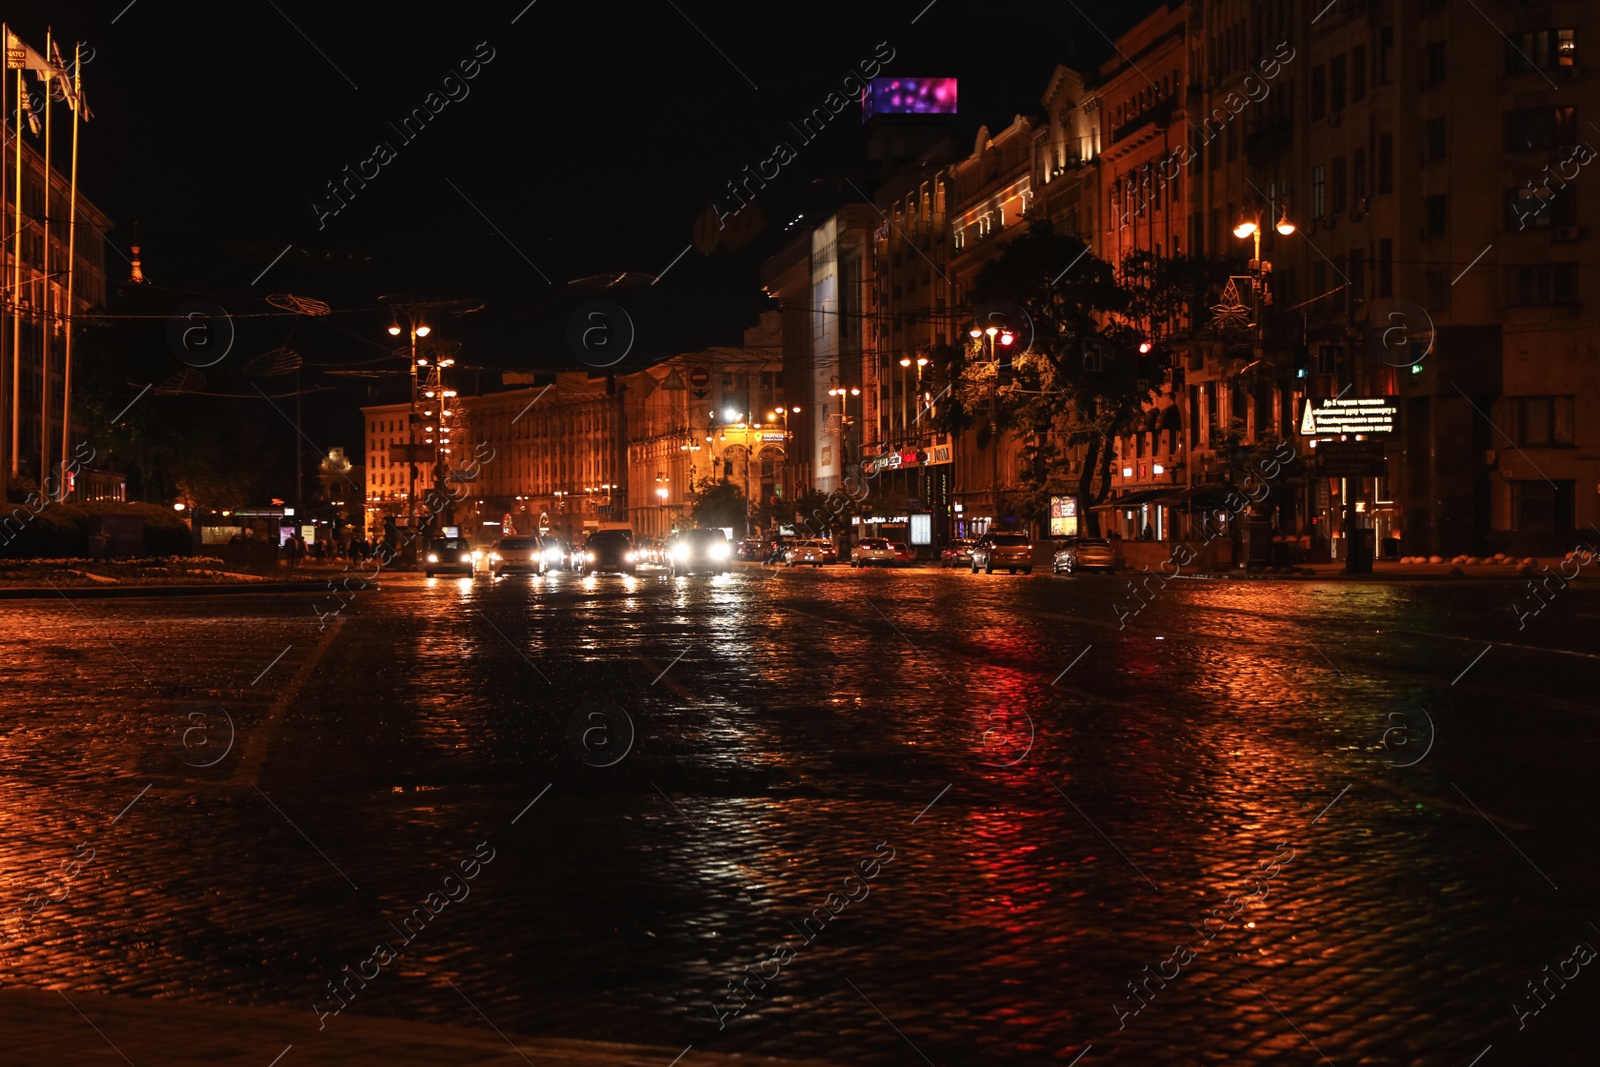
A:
{"points": [[911, 816]]}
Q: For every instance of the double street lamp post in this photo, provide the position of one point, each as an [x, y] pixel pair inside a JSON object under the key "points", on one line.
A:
{"points": [[417, 329]]}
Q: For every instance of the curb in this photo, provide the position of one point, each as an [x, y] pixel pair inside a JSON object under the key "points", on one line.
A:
{"points": [[103, 593]]}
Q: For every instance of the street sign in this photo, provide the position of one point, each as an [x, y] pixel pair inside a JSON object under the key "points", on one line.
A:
{"points": [[1335, 416], [699, 377], [1352, 459]]}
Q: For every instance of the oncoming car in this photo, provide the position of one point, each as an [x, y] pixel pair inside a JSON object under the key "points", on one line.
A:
{"points": [[610, 551], [449, 555], [512, 554], [701, 550]]}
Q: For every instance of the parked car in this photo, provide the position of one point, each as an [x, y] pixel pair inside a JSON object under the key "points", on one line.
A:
{"points": [[872, 552], [957, 553], [902, 554], [449, 555], [517, 554], [703, 550], [1084, 553], [1012, 551], [609, 551], [803, 552]]}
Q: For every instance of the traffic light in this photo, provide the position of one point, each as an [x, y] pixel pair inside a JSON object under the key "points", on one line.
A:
{"points": [[1302, 358]]}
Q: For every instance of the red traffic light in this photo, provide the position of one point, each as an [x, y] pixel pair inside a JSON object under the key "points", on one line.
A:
{"points": [[1006, 337], [1145, 347]]}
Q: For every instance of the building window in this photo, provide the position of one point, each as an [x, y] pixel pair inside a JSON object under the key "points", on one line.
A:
{"points": [[1358, 164], [1338, 185], [1540, 127], [1433, 212], [1542, 283], [1541, 50], [1542, 505], [1358, 72], [1356, 271], [1433, 138], [1319, 92], [1540, 206], [1436, 290], [1385, 50], [1435, 64], [1336, 84], [1542, 421], [1385, 163], [1328, 359], [1319, 193], [1385, 267]]}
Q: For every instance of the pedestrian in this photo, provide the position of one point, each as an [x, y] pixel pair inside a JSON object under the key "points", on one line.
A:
{"points": [[297, 550], [1147, 534]]}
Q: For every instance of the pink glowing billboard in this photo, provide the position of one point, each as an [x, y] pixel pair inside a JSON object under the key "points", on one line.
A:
{"points": [[909, 96]]}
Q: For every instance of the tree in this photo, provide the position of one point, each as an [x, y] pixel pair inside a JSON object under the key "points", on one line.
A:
{"points": [[720, 504]]}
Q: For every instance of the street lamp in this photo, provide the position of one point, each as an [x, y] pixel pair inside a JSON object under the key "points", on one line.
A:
{"points": [[844, 393], [417, 328], [1249, 229]]}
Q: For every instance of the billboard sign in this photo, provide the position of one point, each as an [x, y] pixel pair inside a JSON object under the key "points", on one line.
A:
{"points": [[922, 529], [1063, 516], [909, 96], [1351, 459]]}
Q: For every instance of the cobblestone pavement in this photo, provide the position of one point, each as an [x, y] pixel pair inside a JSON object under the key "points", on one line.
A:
{"points": [[910, 816]]}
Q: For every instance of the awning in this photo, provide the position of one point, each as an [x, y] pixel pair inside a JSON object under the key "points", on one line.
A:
{"points": [[1140, 497]]}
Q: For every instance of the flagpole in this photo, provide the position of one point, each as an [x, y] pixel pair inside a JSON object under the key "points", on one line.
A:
{"points": [[72, 265], [5, 305], [46, 309], [16, 299]]}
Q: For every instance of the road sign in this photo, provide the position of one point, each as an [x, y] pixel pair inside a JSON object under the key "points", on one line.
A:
{"points": [[699, 377], [1369, 415], [1352, 459]]}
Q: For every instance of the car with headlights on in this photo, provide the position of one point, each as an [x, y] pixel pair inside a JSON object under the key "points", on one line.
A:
{"points": [[1011, 551], [872, 552], [517, 555], [701, 550], [557, 553], [450, 555], [609, 551], [802, 553], [1084, 553]]}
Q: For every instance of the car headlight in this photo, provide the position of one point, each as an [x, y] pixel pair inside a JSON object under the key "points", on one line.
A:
{"points": [[589, 556], [720, 550], [680, 551], [630, 556], [552, 554], [433, 557], [466, 557], [494, 557]]}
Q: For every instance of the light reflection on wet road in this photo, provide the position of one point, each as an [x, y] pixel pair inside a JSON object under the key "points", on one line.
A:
{"points": [[1065, 800]]}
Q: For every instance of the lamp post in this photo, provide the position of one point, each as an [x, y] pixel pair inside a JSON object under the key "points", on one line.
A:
{"points": [[788, 438], [417, 328], [844, 393], [984, 340], [1249, 229]]}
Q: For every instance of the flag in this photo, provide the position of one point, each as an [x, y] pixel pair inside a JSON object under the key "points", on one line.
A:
{"points": [[20, 56], [23, 105], [73, 96]]}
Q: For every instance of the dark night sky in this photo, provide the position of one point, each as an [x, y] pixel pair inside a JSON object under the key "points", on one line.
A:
{"points": [[591, 140]]}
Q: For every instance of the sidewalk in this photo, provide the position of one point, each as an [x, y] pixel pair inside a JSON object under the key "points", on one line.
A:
{"points": [[1391, 571], [41, 1027]]}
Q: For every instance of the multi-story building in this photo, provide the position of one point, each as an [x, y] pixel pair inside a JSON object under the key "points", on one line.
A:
{"points": [[711, 415], [32, 383]]}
